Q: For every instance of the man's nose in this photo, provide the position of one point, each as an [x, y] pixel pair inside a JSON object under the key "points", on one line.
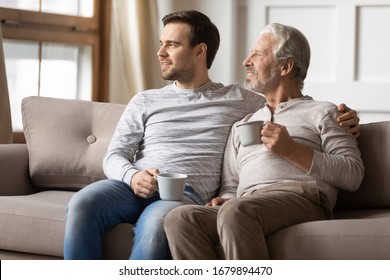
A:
{"points": [[247, 61], [161, 51]]}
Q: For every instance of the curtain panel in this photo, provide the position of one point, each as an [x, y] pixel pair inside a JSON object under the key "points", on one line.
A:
{"points": [[136, 25]]}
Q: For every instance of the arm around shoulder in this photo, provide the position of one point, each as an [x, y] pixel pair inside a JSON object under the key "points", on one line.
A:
{"points": [[339, 163]]}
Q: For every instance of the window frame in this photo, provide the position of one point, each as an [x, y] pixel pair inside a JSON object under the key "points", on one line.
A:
{"points": [[75, 30]]}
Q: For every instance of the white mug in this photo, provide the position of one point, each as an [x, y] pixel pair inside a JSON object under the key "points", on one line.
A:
{"points": [[171, 185], [249, 132]]}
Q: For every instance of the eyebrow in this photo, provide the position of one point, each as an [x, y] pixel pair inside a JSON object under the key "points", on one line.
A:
{"points": [[170, 42]]}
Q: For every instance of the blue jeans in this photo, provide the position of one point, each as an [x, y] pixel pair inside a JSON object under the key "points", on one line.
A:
{"points": [[102, 205]]}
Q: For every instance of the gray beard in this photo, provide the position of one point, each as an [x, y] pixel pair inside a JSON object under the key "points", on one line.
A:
{"points": [[269, 84], [252, 86]]}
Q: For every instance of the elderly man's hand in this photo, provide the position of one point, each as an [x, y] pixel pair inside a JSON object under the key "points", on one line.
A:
{"points": [[216, 201], [349, 119]]}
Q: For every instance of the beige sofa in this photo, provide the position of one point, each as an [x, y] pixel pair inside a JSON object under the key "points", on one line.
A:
{"points": [[66, 141]]}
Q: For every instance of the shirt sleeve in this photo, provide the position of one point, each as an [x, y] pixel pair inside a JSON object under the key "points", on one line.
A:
{"points": [[118, 162], [339, 164], [230, 174]]}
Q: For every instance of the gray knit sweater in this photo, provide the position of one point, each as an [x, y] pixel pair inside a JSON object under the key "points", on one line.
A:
{"points": [[336, 163], [177, 130]]}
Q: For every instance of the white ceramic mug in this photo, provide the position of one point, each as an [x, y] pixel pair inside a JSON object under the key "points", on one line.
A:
{"points": [[171, 185], [249, 132]]}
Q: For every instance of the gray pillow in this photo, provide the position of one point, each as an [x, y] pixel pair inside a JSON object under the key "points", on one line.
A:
{"points": [[67, 140]]}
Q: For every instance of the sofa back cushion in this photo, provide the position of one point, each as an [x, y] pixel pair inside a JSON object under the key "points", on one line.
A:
{"points": [[67, 140], [374, 144]]}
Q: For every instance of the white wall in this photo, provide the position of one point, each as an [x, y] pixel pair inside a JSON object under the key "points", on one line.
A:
{"points": [[350, 40]]}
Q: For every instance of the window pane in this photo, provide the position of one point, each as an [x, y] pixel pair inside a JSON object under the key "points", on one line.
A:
{"points": [[22, 67], [58, 71], [66, 71], [31, 5], [82, 8]]}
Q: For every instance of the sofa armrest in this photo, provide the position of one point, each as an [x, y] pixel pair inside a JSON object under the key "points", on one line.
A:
{"points": [[374, 191], [14, 172]]}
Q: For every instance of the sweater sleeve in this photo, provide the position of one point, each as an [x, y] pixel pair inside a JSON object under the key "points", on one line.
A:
{"points": [[339, 164], [230, 175], [118, 162]]}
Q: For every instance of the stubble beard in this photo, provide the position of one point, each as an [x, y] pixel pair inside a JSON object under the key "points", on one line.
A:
{"points": [[180, 75]]}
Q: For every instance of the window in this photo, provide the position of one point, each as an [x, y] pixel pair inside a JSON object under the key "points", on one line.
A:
{"points": [[55, 48], [82, 8]]}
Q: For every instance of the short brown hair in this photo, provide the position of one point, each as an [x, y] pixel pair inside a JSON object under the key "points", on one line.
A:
{"points": [[202, 30]]}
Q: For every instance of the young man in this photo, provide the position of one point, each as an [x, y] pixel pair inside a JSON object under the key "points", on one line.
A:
{"points": [[292, 178], [181, 128]]}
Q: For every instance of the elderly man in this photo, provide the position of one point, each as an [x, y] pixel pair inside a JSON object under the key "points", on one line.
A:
{"points": [[293, 177]]}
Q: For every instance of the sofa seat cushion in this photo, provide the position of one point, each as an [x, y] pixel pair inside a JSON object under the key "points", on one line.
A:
{"points": [[361, 235], [34, 223], [67, 140]]}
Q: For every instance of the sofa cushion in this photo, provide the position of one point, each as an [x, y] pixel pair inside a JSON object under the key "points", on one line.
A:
{"points": [[375, 188], [364, 238], [34, 223], [67, 140]]}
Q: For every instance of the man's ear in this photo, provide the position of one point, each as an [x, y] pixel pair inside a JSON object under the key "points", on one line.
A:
{"points": [[287, 66], [202, 49]]}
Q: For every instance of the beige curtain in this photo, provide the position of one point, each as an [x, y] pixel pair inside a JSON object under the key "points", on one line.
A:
{"points": [[136, 24], [5, 111]]}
